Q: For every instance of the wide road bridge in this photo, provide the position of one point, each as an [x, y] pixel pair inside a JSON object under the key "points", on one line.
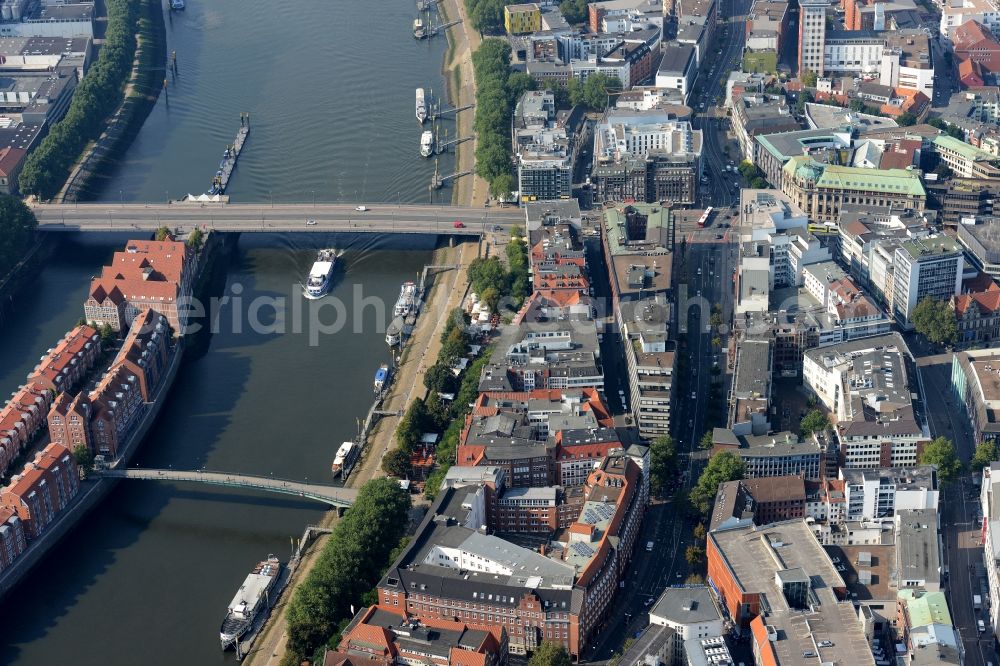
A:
{"points": [[263, 217], [332, 495]]}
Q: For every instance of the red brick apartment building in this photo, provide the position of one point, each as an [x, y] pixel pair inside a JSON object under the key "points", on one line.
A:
{"points": [[147, 275], [20, 419], [43, 489], [379, 635], [561, 593], [103, 419], [13, 540], [69, 361], [62, 366]]}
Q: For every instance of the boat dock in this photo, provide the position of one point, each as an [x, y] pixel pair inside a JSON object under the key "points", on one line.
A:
{"points": [[228, 164]]}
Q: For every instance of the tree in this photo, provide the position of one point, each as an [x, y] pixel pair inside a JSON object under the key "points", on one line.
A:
{"points": [[350, 564], [491, 298], [815, 421], [662, 463], [716, 341], [195, 240], [694, 556], [440, 378], [986, 452], [715, 320], [455, 346], [699, 531], [707, 441], [692, 579], [502, 186], [396, 463], [17, 228], [485, 273], [941, 452], [107, 334], [906, 119], [935, 320], [805, 97], [550, 654], [84, 457], [163, 233], [857, 105], [574, 11], [722, 467], [808, 78]]}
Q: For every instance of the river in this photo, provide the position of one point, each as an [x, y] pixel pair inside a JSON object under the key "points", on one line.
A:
{"points": [[329, 85], [145, 579]]}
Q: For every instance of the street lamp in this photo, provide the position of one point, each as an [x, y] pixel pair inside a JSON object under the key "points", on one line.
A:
{"points": [[121, 196], [271, 199]]}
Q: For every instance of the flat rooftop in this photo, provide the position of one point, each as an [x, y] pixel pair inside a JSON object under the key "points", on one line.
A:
{"points": [[757, 556], [686, 605]]}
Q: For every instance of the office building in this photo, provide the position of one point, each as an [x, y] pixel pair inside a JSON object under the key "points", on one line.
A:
{"points": [[928, 267], [868, 385]]}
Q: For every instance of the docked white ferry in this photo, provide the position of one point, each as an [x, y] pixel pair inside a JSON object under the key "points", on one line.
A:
{"points": [[344, 460], [421, 103], [320, 275], [407, 301], [252, 598], [427, 143]]}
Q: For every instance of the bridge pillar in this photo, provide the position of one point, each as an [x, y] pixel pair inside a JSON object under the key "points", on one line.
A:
{"points": [[451, 241]]}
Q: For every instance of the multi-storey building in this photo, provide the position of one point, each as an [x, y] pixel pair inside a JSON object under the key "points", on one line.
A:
{"points": [[450, 571], [974, 42], [651, 361], [870, 494], [868, 385], [45, 487], [768, 577], [67, 363], [147, 275], [544, 355], [812, 35], [862, 229], [773, 454], [989, 499], [956, 12], [928, 267], [757, 114], [519, 19], [750, 395], [20, 419], [821, 190], [691, 612], [13, 540], [975, 381], [102, 419], [981, 239], [977, 315], [647, 156], [383, 635]]}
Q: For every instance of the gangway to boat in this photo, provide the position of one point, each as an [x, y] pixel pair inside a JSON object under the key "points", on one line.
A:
{"points": [[442, 146], [436, 113]]}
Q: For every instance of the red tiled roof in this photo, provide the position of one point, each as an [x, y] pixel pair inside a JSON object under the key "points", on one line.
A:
{"points": [[988, 301], [147, 270]]}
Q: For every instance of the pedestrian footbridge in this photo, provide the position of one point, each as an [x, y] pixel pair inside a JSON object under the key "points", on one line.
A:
{"points": [[331, 495]]}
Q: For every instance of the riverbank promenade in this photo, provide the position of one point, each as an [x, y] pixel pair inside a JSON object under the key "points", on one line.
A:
{"points": [[263, 217]]}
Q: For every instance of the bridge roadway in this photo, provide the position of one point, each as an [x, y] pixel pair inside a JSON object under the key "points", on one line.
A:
{"points": [[264, 217], [332, 495]]}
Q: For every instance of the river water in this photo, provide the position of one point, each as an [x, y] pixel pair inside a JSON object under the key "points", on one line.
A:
{"points": [[330, 88], [145, 579]]}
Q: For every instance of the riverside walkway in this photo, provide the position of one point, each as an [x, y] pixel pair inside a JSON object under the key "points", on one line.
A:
{"points": [[268, 218], [332, 495]]}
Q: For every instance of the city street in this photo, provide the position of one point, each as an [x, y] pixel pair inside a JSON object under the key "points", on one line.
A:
{"points": [[959, 510]]}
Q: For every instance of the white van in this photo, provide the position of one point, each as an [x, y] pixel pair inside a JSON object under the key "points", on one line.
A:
{"points": [[649, 548]]}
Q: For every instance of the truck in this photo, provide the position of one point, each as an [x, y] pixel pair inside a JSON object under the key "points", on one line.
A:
{"points": [[977, 602]]}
